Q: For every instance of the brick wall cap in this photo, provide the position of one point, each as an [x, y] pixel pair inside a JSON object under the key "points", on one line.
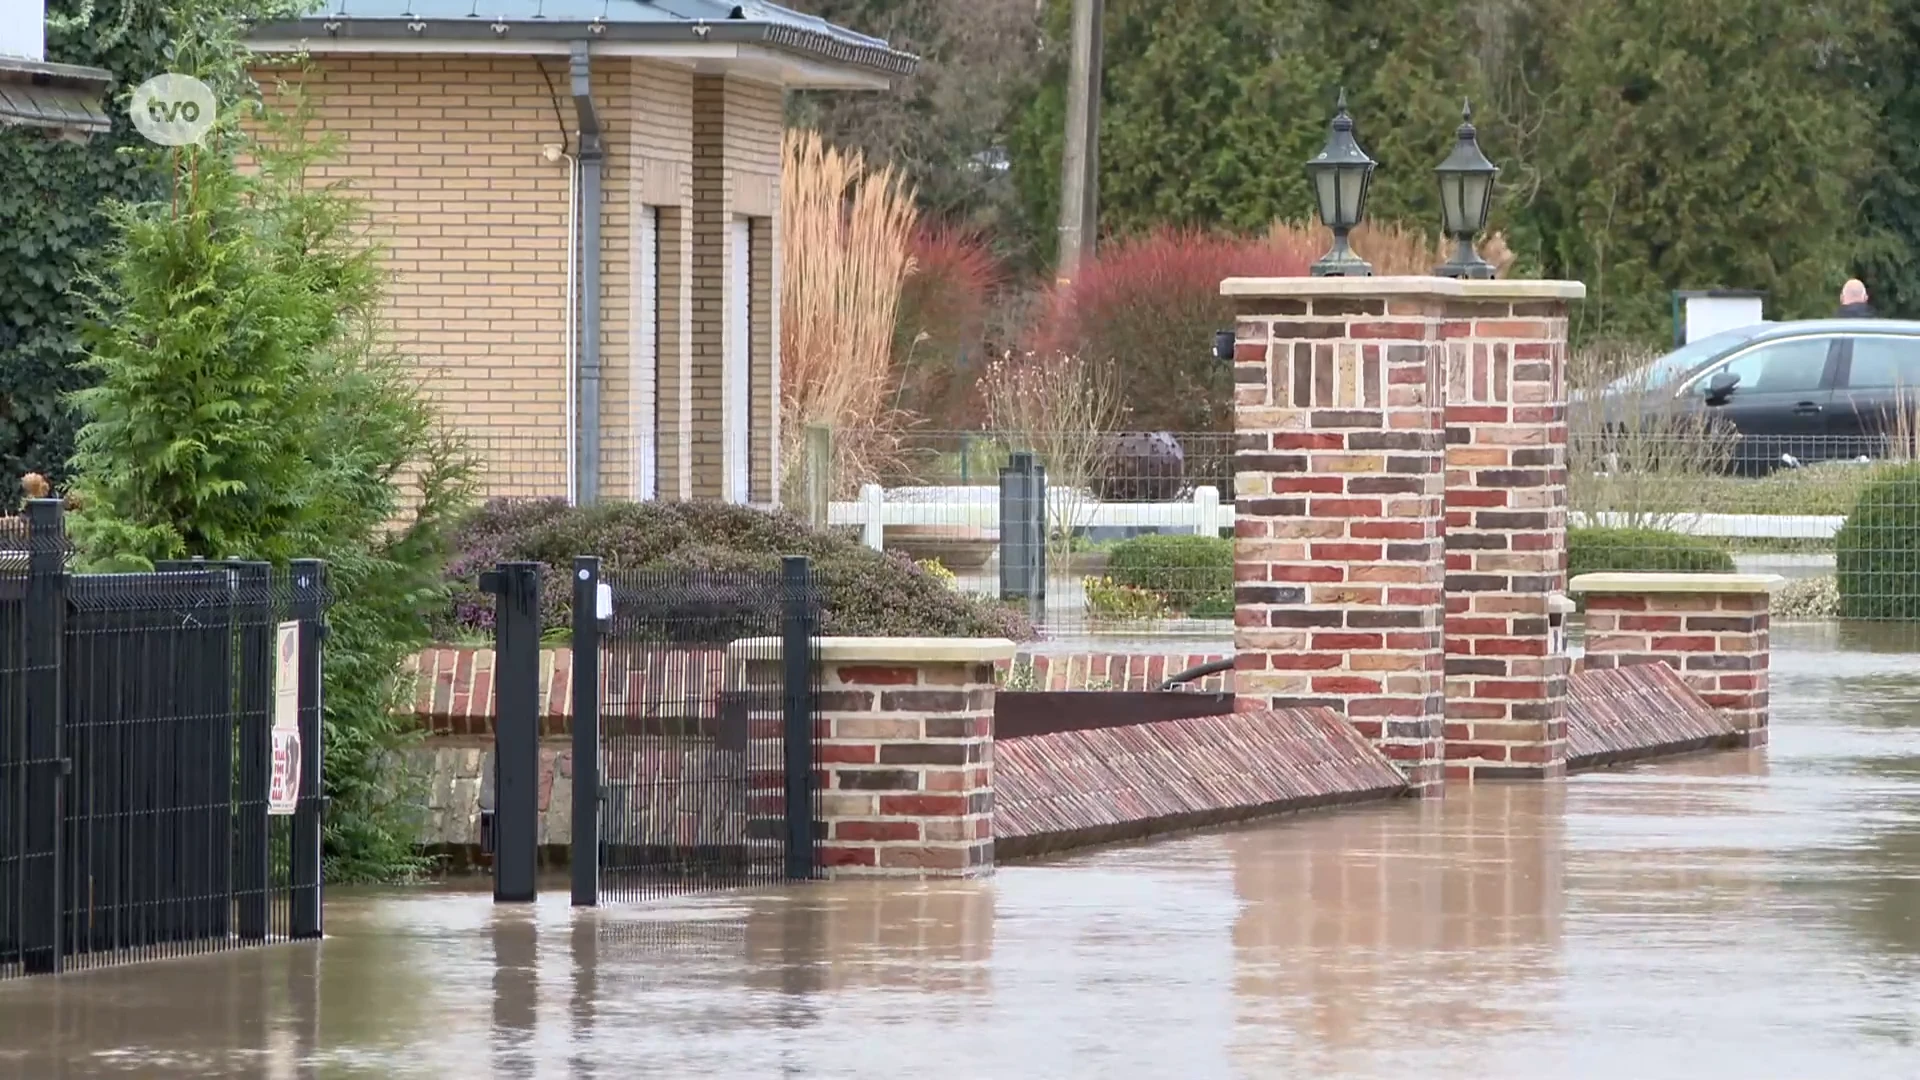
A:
{"points": [[1523, 289], [1364, 287], [1560, 603], [1675, 583], [889, 650]]}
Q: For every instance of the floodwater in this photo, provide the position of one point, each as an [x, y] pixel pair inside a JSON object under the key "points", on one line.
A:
{"points": [[1752, 915]]}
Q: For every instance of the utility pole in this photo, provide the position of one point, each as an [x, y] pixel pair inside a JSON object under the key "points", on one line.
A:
{"points": [[1080, 158]]}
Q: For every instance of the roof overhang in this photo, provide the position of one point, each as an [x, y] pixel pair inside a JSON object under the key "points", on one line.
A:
{"points": [[65, 99], [768, 52]]}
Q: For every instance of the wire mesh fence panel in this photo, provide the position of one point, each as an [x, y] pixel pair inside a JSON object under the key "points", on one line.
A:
{"points": [[1133, 526], [1837, 514], [28, 763], [146, 723], [694, 710]]}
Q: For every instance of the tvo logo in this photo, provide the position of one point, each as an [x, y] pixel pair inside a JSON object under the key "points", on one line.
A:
{"points": [[172, 109]]}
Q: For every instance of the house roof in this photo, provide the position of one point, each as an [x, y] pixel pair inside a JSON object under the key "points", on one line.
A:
{"points": [[716, 22], [64, 98]]}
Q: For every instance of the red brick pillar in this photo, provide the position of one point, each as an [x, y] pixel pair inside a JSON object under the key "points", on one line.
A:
{"points": [[1337, 557], [1506, 526], [906, 755], [1711, 628]]}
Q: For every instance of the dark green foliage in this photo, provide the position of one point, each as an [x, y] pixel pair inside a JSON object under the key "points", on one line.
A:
{"points": [[1212, 107], [1715, 143], [1890, 266], [1194, 574], [1598, 550], [944, 126], [245, 407], [1645, 145], [53, 218], [1877, 552], [866, 592]]}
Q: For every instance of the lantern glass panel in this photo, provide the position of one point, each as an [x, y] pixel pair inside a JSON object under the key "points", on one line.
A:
{"points": [[1353, 186], [1324, 192]]}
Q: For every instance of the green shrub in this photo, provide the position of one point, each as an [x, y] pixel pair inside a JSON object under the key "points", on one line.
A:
{"points": [[866, 592], [244, 405], [1109, 600], [1193, 574], [1877, 552], [1592, 551]]}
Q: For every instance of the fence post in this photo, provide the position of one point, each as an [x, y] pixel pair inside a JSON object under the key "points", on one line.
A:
{"points": [[1206, 509], [796, 652], [253, 610], [819, 466], [45, 780], [1023, 532], [309, 607], [586, 731], [516, 738], [873, 530]]}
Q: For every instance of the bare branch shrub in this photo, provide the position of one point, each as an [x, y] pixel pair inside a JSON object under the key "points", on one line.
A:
{"points": [[1061, 408]]}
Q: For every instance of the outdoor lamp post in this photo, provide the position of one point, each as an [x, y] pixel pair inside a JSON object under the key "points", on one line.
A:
{"points": [[1340, 174], [1466, 193]]}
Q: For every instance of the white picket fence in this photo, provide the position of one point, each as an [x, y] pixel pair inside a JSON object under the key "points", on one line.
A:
{"points": [[979, 507]]}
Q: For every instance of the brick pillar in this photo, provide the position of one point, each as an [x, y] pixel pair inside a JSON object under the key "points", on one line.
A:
{"points": [[906, 755], [1711, 628], [1506, 526], [1337, 554]]}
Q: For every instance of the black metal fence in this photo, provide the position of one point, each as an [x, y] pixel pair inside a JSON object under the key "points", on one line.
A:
{"points": [[693, 729], [160, 779]]}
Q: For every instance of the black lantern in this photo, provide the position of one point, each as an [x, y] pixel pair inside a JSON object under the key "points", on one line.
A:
{"points": [[1340, 174], [1466, 194]]}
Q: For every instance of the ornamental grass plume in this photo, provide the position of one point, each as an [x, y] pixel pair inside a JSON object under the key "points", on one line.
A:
{"points": [[845, 252]]}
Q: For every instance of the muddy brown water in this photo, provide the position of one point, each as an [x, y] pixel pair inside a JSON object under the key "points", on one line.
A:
{"points": [[1751, 914]]}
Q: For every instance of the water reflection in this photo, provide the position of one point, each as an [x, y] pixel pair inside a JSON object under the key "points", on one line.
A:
{"points": [[1744, 914]]}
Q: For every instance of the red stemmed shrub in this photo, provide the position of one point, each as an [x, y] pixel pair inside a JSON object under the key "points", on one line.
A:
{"points": [[1150, 306], [939, 341]]}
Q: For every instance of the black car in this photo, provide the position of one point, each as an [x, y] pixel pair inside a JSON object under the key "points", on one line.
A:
{"points": [[1797, 392]]}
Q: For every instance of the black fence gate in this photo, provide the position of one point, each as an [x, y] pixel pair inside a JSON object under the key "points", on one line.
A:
{"points": [[693, 749], [146, 757]]}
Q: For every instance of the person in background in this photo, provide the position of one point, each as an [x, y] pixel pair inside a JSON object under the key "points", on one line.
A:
{"points": [[1853, 301]]}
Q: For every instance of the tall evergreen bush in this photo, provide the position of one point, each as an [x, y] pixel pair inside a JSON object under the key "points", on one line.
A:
{"points": [[246, 406]]}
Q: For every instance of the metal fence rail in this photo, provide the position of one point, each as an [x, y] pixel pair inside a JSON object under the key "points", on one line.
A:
{"points": [[693, 729], [1839, 515], [146, 721]]}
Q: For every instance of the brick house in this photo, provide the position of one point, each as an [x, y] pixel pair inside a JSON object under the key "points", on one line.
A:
{"points": [[579, 201]]}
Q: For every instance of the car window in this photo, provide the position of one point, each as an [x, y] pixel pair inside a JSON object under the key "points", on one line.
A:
{"points": [[1782, 367], [1884, 361], [1684, 359]]}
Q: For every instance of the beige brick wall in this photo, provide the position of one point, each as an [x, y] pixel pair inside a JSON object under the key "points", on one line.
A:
{"points": [[447, 153]]}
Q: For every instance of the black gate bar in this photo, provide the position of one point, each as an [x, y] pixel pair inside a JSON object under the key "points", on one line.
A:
{"points": [[45, 780], [586, 731], [309, 592], [796, 651], [516, 739]]}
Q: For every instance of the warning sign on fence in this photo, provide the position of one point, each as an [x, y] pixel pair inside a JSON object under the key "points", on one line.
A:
{"points": [[283, 788]]}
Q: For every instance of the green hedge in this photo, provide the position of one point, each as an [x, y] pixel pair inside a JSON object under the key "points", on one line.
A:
{"points": [[865, 593], [1193, 573], [1591, 551], [1877, 552]]}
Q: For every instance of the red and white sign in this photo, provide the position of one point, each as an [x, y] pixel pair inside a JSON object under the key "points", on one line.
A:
{"points": [[283, 785]]}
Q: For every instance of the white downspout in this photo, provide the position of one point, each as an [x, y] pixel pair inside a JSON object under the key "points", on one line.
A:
{"points": [[554, 152]]}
